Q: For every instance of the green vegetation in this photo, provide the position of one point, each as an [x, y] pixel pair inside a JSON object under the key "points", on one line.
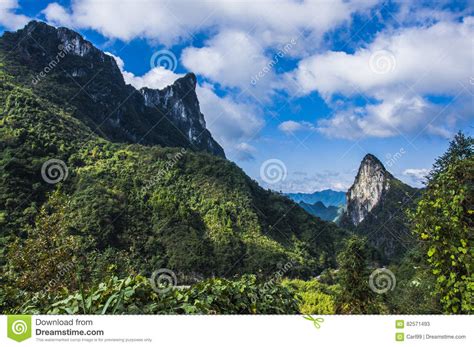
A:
{"points": [[124, 210], [443, 221], [414, 292], [314, 297], [355, 296], [134, 295]]}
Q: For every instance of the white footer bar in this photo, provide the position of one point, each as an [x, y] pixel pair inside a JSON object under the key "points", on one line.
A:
{"points": [[236, 330]]}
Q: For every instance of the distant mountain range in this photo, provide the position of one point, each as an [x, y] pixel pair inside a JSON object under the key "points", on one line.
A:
{"points": [[328, 197], [318, 209]]}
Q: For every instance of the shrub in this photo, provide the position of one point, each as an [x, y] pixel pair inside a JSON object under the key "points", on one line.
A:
{"points": [[134, 295], [313, 297]]}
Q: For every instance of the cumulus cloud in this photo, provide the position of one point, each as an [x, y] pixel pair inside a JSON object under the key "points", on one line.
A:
{"points": [[171, 21], [231, 58], [399, 70], [292, 126], [156, 78], [417, 173], [9, 18], [394, 116], [231, 122], [417, 177]]}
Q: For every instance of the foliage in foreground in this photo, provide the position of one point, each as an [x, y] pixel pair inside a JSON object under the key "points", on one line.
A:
{"points": [[444, 223], [135, 295], [313, 296], [414, 292]]}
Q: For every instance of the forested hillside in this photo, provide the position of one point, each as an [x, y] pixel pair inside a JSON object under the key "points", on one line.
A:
{"points": [[138, 208]]}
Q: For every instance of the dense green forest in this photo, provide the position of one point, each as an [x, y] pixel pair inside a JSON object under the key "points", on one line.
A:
{"points": [[86, 234], [130, 209]]}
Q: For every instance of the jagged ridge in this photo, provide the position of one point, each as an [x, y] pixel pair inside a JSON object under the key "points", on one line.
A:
{"points": [[60, 65]]}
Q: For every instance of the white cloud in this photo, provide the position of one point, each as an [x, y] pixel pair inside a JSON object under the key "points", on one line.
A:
{"points": [[292, 126], [245, 152], [156, 78], [416, 176], [415, 12], [231, 123], [417, 173], [57, 14], [393, 116], [8, 18], [230, 58], [438, 53], [170, 21], [124, 20], [399, 70]]}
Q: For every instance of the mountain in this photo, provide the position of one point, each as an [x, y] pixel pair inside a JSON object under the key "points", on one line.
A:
{"points": [[67, 70], [377, 203], [83, 185], [328, 197], [182, 107], [371, 184], [318, 209]]}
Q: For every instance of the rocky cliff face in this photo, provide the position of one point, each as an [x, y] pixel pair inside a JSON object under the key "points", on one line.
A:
{"points": [[376, 208], [182, 107], [371, 183], [63, 67]]}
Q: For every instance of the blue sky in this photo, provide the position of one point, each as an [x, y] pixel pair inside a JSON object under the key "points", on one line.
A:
{"points": [[297, 89]]}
